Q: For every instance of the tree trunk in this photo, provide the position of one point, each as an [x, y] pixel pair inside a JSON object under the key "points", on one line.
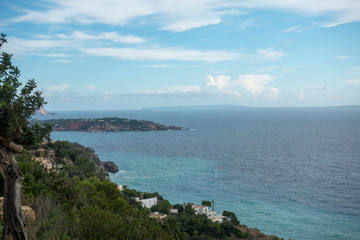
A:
{"points": [[14, 219]]}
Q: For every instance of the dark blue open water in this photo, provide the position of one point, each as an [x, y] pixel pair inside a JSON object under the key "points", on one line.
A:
{"points": [[293, 172]]}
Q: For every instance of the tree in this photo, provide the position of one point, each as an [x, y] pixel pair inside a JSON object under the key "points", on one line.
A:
{"points": [[232, 217], [206, 203], [17, 105]]}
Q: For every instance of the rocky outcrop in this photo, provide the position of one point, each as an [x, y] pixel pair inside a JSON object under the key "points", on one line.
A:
{"points": [[111, 167], [42, 112], [56, 155], [256, 234]]}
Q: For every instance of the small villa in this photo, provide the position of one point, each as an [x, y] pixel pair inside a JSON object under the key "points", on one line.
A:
{"points": [[212, 215], [174, 211], [149, 202], [200, 209]]}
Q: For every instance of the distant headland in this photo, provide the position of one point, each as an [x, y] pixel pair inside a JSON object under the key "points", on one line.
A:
{"points": [[104, 125]]}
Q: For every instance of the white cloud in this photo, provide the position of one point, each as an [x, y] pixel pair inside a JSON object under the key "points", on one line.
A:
{"points": [[270, 54], [38, 46], [53, 55], [295, 29], [182, 89], [58, 45], [355, 82], [63, 61], [61, 45], [220, 82], [341, 57], [56, 88], [161, 54], [236, 94], [273, 92], [355, 69], [190, 24], [90, 87], [254, 84], [183, 15], [300, 93], [110, 36], [174, 90], [157, 66]]}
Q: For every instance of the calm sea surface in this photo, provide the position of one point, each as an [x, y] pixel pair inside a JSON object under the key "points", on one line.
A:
{"points": [[293, 172]]}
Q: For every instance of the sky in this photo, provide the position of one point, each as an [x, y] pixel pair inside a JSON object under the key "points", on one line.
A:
{"points": [[117, 54]]}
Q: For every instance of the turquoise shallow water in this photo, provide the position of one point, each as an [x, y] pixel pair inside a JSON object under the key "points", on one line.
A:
{"points": [[290, 172]]}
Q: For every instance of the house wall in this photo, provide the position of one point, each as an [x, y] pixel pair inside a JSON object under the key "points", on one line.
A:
{"points": [[148, 202]]}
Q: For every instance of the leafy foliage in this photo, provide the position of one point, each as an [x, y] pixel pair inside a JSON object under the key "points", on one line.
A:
{"points": [[232, 217], [18, 105], [90, 206], [68, 207], [206, 203]]}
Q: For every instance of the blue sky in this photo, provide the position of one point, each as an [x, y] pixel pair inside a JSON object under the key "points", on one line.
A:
{"points": [[116, 54]]}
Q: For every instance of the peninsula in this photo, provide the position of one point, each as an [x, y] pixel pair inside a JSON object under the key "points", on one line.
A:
{"points": [[103, 125]]}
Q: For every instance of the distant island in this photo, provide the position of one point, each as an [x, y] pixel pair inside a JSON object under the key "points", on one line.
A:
{"points": [[104, 125]]}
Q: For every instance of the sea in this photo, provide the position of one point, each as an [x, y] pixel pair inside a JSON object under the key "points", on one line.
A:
{"points": [[290, 172]]}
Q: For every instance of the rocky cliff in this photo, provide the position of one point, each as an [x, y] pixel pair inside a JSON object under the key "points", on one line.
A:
{"points": [[57, 155], [110, 166]]}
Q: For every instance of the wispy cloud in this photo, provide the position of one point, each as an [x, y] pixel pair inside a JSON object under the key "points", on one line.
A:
{"points": [[355, 82], [60, 45], [110, 36], [55, 88], [40, 47], [78, 43], [190, 24], [355, 69], [63, 60], [90, 87], [173, 90], [295, 29], [270, 54], [341, 57], [162, 54], [183, 15]]}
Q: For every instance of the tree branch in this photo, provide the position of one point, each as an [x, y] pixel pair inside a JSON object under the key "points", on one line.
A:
{"points": [[10, 145]]}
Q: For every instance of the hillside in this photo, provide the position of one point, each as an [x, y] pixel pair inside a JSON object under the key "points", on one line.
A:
{"points": [[67, 187], [104, 125]]}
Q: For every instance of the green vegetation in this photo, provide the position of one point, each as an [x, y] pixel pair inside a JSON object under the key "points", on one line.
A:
{"points": [[79, 202], [206, 203], [85, 207], [193, 226], [103, 125], [17, 104], [232, 217]]}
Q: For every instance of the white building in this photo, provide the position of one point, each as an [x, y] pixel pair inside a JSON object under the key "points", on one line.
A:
{"points": [[174, 210], [149, 202], [213, 216], [217, 218], [200, 209]]}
